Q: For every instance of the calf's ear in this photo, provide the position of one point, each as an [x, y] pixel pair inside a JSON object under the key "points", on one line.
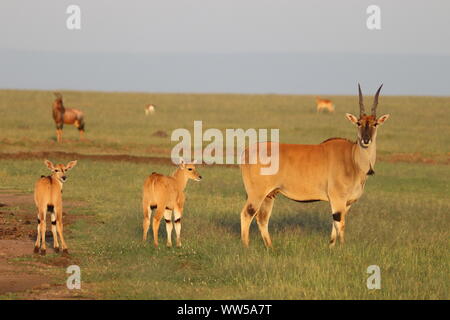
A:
{"points": [[182, 163], [71, 164], [49, 164]]}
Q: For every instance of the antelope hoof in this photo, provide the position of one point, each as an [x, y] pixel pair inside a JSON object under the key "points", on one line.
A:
{"points": [[43, 252], [56, 249], [169, 245], [65, 252], [332, 244], [36, 250]]}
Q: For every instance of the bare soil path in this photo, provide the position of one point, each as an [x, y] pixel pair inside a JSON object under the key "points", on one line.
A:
{"points": [[393, 158], [74, 155], [24, 275]]}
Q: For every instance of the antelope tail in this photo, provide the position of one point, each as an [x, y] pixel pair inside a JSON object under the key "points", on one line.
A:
{"points": [[153, 183]]}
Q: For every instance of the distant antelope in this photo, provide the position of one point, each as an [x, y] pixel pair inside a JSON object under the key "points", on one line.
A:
{"points": [[63, 115], [335, 170], [166, 194], [150, 109], [324, 104], [48, 198]]}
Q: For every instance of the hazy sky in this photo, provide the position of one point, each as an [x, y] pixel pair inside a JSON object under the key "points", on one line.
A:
{"points": [[178, 27]]}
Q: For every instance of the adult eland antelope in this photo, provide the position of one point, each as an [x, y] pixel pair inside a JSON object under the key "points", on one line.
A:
{"points": [[166, 194], [335, 170], [62, 115], [48, 198]]}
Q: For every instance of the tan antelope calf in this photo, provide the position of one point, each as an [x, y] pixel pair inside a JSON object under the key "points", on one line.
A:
{"points": [[335, 170], [166, 194], [324, 104], [48, 198], [62, 115]]}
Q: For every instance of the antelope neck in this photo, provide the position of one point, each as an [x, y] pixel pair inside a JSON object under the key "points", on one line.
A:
{"points": [[364, 158], [181, 178], [61, 183]]}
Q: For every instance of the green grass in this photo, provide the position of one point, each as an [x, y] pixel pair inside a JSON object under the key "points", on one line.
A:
{"points": [[405, 235], [400, 224], [115, 122]]}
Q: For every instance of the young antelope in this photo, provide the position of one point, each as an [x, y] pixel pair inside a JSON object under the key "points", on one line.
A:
{"points": [[166, 194], [48, 198]]}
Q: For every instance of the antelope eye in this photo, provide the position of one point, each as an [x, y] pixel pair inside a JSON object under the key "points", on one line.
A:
{"points": [[190, 169], [56, 170], [358, 124]]}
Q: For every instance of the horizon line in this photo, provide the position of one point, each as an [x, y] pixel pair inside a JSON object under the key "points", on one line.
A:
{"points": [[217, 93]]}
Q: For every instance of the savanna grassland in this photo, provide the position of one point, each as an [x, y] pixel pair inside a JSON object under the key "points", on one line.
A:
{"points": [[401, 223]]}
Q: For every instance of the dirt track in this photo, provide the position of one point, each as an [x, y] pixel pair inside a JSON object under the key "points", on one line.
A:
{"points": [[392, 158], [73, 155], [22, 273]]}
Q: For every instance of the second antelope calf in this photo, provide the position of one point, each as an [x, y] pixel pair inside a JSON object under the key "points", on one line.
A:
{"points": [[166, 194], [48, 198]]}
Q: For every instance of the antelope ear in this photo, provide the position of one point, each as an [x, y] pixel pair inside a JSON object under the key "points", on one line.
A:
{"points": [[71, 164], [182, 163], [352, 118], [49, 164], [382, 119]]}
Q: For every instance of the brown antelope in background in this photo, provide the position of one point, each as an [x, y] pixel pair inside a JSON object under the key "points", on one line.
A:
{"points": [[324, 104], [335, 171], [166, 194], [63, 115], [48, 197]]}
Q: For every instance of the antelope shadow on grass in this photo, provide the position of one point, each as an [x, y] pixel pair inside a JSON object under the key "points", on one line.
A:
{"points": [[282, 220]]}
